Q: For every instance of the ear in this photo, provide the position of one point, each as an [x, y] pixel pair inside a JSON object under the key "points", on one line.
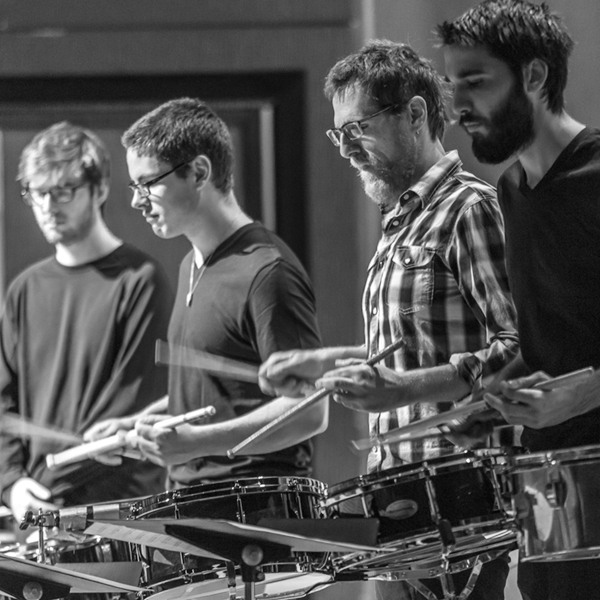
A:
{"points": [[535, 74], [201, 170], [101, 192], [417, 112]]}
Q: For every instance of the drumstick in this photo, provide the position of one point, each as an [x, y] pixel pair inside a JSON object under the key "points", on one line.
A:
{"points": [[281, 420], [22, 427], [169, 354], [120, 439], [399, 434]]}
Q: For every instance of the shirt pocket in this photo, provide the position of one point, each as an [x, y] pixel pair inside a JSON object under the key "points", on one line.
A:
{"points": [[413, 266]]}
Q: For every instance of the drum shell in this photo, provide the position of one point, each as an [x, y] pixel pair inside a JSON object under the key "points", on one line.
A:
{"points": [[402, 497], [555, 498], [244, 500], [466, 493]]}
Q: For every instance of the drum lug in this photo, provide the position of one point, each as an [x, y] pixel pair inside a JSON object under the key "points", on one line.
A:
{"points": [[556, 493], [522, 506]]}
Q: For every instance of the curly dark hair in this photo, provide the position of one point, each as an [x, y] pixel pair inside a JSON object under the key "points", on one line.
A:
{"points": [[517, 32], [392, 73]]}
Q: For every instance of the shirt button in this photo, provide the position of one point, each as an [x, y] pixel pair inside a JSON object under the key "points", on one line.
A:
{"points": [[395, 223], [407, 261], [405, 197], [374, 311]]}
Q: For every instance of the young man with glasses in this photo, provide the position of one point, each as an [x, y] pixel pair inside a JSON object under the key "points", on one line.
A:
{"points": [[437, 280], [242, 294], [78, 330]]}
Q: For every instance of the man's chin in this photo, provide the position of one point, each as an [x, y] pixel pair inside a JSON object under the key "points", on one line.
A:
{"points": [[488, 154], [378, 191]]}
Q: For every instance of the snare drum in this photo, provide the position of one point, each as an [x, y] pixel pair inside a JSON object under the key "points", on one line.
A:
{"points": [[172, 575], [556, 499], [449, 505]]}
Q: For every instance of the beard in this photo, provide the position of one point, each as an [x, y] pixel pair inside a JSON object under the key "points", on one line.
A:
{"points": [[510, 128], [384, 183], [67, 231]]}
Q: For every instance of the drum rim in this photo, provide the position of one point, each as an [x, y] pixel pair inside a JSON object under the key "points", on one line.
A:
{"points": [[571, 454], [410, 472], [247, 486]]}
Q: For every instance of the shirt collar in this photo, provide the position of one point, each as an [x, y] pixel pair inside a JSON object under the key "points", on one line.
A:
{"points": [[422, 191]]}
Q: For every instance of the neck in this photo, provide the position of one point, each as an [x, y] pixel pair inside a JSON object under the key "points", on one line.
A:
{"points": [[220, 220], [554, 132], [428, 153], [99, 242], [431, 153]]}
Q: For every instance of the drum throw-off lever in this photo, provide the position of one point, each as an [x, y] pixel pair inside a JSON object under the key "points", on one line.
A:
{"points": [[446, 534], [42, 519]]}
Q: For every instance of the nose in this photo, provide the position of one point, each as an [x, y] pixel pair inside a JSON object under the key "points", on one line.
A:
{"points": [[460, 102], [348, 147], [138, 201]]}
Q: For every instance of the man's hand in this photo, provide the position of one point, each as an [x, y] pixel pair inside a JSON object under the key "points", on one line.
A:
{"points": [[472, 431], [362, 387], [108, 427], [520, 404], [27, 494], [169, 446], [292, 373]]}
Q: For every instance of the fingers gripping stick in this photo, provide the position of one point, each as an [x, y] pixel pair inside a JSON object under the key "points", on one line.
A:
{"points": [[120, 440], [289, 414]]}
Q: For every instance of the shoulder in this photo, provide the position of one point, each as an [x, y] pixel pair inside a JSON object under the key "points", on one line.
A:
{"points": [[131, 262], [469, 189], [467, 197], [35, 272], [585, 147], [263, 248]]}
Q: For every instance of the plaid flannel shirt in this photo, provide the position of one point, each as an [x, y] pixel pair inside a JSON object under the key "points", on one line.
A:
{"points": [[438, 280]]}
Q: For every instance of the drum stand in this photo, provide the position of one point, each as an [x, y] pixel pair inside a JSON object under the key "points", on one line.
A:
{"points": [[448, 590], [236, 549]]}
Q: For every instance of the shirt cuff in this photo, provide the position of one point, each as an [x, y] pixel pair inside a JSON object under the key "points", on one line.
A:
{"points": [[468, 367]]}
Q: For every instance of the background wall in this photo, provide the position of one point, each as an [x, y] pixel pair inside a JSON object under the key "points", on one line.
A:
{"points": [[272, 51]]}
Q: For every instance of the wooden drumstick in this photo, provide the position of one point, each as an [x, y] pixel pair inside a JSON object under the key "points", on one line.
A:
{"points": [[282, 419], [120, 439], [399, 434], [21, 427], [169, 354]]}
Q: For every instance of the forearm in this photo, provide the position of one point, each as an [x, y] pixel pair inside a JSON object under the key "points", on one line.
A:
{"points": [[157, 407], [216, 439], [434, 384]]}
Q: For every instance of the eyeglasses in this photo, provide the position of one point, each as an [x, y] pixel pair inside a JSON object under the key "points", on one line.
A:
{"points": [[143, 189], [354, 129], [60, 195]]}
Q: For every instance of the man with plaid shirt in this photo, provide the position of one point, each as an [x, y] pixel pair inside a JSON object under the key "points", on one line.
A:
{"points": [[437, 280]]}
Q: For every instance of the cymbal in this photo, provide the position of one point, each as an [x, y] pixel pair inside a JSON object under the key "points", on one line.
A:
{"points": [[78, 577]]}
